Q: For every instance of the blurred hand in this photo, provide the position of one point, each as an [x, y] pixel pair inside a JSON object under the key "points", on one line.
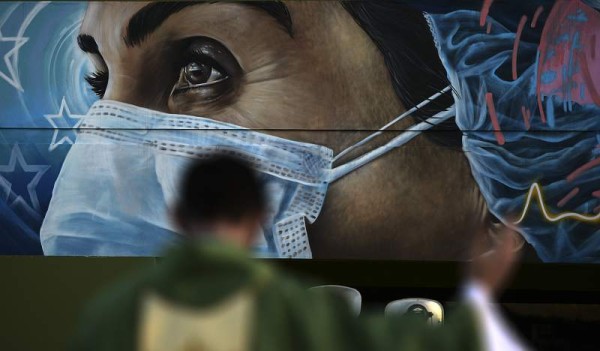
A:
{"points": [[493, 266]]}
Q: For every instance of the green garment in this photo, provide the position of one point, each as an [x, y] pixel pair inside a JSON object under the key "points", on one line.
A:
{"points": [[286, 316]]}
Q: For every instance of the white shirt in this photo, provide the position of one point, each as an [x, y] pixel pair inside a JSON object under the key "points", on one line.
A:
{"points": [[497, 335]]}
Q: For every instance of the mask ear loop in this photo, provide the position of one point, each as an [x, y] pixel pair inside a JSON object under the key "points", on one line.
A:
{"points": [[394, 121], [403, 138]]}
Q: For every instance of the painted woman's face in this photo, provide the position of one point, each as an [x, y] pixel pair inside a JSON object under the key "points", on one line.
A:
{"points": [[306, 71], [267, 65]]}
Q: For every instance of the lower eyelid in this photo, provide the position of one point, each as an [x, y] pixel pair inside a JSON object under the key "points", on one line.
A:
{"points": [[203, 85]]}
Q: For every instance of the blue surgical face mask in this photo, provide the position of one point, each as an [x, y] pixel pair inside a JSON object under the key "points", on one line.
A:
{"points": [[122, 174]]}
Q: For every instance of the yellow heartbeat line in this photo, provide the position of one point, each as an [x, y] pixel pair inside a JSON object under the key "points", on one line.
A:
{"points": [[537, 191]]}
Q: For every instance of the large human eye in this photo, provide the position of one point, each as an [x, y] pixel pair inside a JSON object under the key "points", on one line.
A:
{"points": [[207, 71], [197, 74]]}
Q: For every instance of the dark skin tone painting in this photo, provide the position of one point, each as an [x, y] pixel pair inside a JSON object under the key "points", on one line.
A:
{"points": [[305, 71], [381, 129]]}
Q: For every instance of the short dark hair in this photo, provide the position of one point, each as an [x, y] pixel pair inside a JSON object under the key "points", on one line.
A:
{"points": [[400, 31], [219, 188]]}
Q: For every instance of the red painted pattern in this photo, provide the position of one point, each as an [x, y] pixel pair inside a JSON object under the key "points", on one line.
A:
{"points": [[485, 10], [579, 171], [569, 196], [568, 61], [516, 45], [526, 115], [536, 15], [489, 100]]}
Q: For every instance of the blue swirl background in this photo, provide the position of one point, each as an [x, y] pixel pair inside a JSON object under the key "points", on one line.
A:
{"points": [[49, 67]]}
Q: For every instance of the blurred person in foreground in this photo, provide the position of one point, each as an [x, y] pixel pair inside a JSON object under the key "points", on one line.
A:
{"points": [[208, 294]]}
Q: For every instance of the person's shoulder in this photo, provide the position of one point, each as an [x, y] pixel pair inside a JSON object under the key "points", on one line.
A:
{"points": [[123, 292], [315, 319], [279, 283], [109, 318]]}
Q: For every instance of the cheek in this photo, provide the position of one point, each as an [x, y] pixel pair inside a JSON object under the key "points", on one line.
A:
{"points": [[273, 103], [290, 100], [209, 101], [201, 102], [295, 90]]}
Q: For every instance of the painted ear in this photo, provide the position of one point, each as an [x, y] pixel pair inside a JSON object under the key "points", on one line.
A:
{"points": [[492, 232], [497, 230], [493, 267]]}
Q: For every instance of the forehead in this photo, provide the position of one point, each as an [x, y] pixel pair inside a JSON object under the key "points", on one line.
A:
{"points": [[117, 12], [106, 21], [109, 22]]}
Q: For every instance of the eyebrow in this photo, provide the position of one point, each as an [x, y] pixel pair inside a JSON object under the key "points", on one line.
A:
{"points": [[87, 44], [151, 16]]}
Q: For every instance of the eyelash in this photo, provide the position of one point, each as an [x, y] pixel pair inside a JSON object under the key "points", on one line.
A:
{"points": [[98, 82]]}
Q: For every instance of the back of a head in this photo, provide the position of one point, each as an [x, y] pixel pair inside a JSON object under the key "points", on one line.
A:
{"points": [[219, 189]]}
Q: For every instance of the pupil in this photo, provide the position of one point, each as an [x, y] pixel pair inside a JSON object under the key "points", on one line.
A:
{"points": [[197, 73]]}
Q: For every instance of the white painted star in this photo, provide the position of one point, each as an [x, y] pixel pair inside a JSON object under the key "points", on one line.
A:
{"points": [[63, 122], [11, 171], [10, 74], [11, 58]]}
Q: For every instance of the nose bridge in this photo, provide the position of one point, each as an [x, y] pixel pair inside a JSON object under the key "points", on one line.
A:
{"points": [[133, 72], [133, 81], [130, 84], [123, 87]]}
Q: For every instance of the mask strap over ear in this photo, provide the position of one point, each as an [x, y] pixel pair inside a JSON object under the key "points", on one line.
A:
{"points": [[394, 121], [403, 138]]}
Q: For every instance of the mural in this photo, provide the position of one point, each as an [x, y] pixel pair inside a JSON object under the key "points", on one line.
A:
{"points": [[382, 129]]}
